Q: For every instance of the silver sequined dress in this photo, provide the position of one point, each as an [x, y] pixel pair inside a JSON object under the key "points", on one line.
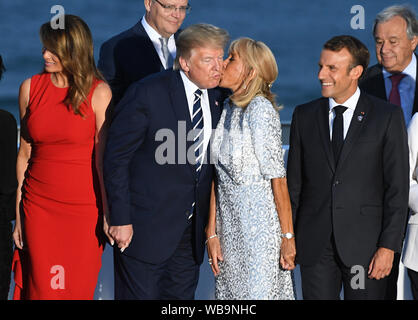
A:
{"points": [[247, 151]]}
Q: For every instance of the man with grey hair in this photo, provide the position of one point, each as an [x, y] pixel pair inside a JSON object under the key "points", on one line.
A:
{"points": [[159, 209], [394, 78], [146, 48]]}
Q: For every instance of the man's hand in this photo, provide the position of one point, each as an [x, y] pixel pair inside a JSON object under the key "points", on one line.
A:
{"points": [[381, 264], [122, 235]]}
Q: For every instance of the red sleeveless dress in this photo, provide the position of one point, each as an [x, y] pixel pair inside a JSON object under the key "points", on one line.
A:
{"points": [[61, 257]]}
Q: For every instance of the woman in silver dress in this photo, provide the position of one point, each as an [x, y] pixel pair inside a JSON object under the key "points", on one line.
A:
{"points": [[250, 241]]}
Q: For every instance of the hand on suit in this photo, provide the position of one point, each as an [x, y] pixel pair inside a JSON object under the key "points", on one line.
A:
{"points": [[122, 235], [381, 264]]}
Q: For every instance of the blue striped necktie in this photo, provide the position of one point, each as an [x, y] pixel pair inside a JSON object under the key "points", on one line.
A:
{"points": [[197, 123]]}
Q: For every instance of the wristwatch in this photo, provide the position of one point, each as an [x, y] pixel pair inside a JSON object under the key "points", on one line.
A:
{"points": [[288, 235]]}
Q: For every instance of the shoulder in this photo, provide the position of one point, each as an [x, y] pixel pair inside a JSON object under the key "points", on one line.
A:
{"points": [[102, 90], [371, 74], [260, 103], [113, 41], [311, 106]]}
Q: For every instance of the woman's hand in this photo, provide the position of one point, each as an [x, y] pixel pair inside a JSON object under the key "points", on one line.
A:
{"points": [[17, 235], [288, 254], [214, 254], [106, 228]]}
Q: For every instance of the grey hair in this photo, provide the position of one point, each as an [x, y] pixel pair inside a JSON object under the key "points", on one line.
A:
{"points": [[198, 36], [404, 11]]}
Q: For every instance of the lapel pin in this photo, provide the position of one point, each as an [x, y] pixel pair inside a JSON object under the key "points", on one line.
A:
{"points": [[216, 103], [360, 118]]}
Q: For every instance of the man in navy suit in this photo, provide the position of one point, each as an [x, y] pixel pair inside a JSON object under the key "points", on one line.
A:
{"points": [[146, 48], [347, 174], [157, 180]]}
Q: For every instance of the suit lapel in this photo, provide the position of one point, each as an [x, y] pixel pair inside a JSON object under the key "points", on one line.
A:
{"points": [[180, 106], [148, 46], [359, 118], [323, 123]]}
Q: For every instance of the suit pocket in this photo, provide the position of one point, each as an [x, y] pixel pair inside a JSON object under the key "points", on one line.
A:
{"points": [[375, 211]]}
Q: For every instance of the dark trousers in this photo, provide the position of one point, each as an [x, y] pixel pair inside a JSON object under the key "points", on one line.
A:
{"points": [[413, 277], [392, 285], [6, 254], [173, 279], [325, 279]]}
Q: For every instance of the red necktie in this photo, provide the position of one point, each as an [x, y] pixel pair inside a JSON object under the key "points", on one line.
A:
{"points": [[394, 96]]}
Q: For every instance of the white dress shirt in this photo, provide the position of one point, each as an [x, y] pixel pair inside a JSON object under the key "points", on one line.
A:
{"points": [[155, 38], [406, 87], [351, 104], [207, 117]]}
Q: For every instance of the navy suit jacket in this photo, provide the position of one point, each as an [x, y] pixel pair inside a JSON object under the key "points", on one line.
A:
{"points": [[128, 57], [156, 198], [374, 84], [362, 201]]}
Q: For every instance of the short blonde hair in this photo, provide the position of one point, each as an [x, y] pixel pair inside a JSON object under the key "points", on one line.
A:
{"points": [[200, 35], [256, 56]]}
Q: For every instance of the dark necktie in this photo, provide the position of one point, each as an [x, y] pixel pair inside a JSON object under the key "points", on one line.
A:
{"points": [[394, 96], [338, 132]]}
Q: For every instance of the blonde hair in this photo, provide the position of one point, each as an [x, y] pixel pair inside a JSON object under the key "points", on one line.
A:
{"points": [[257, 58], [199, 35], [73, 45]]}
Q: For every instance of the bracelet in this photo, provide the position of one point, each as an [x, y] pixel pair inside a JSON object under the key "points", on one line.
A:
{"points": [[211, 237]]}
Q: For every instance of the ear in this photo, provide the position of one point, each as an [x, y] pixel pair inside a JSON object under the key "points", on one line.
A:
{"points": [[147, 5], [184, 64], [356, 72], [414, 43]]}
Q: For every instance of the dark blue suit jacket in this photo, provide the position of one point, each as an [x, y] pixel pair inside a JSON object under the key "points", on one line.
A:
{"points": [[128, 57], [156, 198]]}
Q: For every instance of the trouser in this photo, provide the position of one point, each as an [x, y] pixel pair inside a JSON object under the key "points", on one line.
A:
{"points": [[175, 278], [325, 279]]}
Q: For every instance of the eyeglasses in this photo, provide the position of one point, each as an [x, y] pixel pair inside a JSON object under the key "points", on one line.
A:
{"points": [[169, 8]]}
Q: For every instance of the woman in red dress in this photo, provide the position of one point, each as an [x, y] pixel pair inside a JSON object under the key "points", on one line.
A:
{"points": [[60, 196]]}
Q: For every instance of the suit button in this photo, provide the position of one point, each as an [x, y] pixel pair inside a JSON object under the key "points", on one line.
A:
{"points": [[336, 183]]}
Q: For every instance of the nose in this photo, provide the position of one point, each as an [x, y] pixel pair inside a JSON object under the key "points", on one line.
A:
{"points": [[321, 73], [385, 46], [176, 13]]}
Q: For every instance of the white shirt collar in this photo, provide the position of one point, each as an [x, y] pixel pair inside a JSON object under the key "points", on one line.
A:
{"points": [[410, 70], [190, 86], [350, 103], [152, 33]]}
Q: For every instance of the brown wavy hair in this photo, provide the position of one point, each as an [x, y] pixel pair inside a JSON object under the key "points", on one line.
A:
{"points": [[73, 45], [257, 57]]}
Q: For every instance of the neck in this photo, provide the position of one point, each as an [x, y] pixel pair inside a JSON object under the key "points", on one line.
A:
{"points": [[59, 79]]}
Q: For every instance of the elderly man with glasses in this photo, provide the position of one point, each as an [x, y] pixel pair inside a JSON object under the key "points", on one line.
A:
{"points": [[146, 48]]}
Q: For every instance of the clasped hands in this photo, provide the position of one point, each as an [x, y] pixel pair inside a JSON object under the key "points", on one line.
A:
{"points": [[121, 235]]}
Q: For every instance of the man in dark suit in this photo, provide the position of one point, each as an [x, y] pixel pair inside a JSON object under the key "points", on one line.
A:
{"points": [[146, 48], [348, 180], [394, 79], [8, 185], [157, 181]]}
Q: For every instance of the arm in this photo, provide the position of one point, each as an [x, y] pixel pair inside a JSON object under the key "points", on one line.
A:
{"points": [[22, 159], [100, 101], [265, 129], [395, 205], [294, 165], [125, 135], [281, 198], [213, 244]]}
